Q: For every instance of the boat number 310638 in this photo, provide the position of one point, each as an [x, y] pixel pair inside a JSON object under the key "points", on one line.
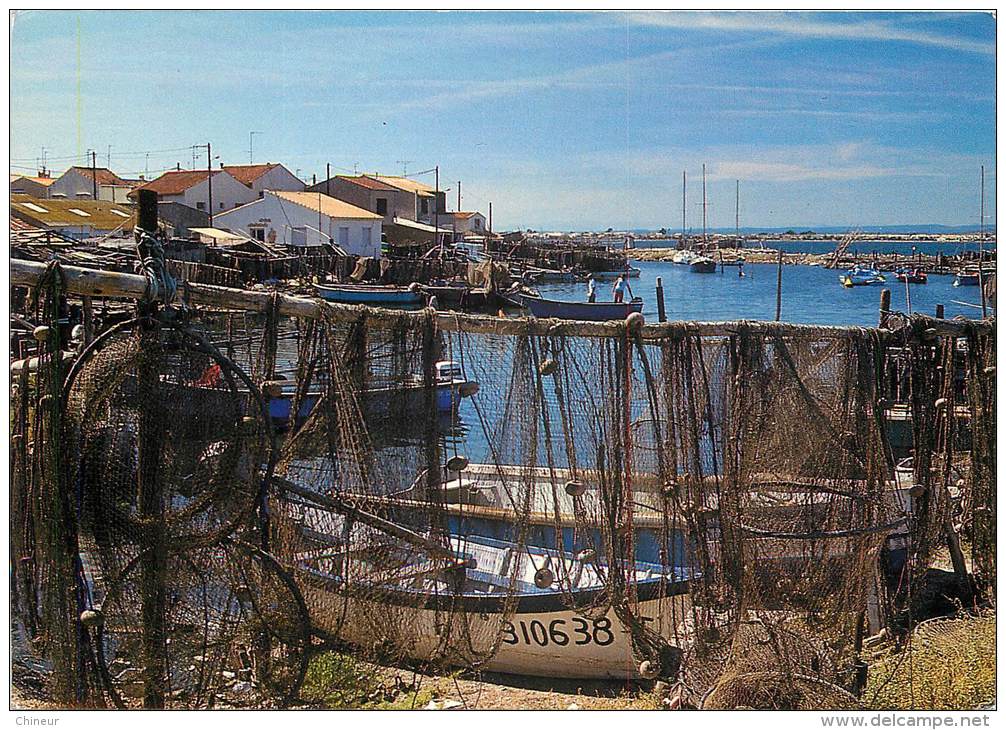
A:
{"points": [[559, 632]]}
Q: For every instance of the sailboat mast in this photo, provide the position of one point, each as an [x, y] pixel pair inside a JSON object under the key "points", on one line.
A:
{"points": [[703, 205], [684, 183], [737, 213]]}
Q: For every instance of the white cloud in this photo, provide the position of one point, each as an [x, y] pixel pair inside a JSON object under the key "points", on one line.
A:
{"points": [[801, 25]]}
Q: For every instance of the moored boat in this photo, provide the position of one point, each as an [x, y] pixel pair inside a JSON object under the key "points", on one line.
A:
{"points": [[911, 276], [589, 311], [702, 265], [858, 276], [383, 296], [684, 258], [629, 272], [970, 276]]}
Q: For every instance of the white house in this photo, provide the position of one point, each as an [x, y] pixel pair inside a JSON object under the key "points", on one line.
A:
{"points": [[306, 219], [189, 187], [78, 183], [269, 176], [465, 222]]}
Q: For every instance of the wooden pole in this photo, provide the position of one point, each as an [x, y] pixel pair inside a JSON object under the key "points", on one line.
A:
{"points": [[328, 176], [939, 311], [94, 174], [778, 289], [908, 295], [981, 248], [661, 314], [885, 306], [209, 181]]}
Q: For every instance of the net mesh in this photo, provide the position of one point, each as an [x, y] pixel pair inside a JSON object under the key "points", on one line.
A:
{"points": [[720, 510]]}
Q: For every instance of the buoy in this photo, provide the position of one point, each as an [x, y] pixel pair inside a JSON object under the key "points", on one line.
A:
{"points": [[548, 366], [543, 578], [575, 488], [457, 463], [649, 670], [635, 321], [90, 618], [940, 403], [40, 333], [917, 490]]}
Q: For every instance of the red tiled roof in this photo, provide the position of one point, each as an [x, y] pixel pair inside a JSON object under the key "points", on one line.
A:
{"points": [[16, 224], [464, 214], [104, 175], [366, 182], [173, 182], [250, 173]]}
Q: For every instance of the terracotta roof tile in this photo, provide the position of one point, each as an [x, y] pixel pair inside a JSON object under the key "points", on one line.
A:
{"points": [[250, 173], [366, 182], [104, 175], [174, 182]]}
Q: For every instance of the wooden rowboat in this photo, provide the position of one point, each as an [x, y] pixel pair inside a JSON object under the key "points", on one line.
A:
{"points": [[589, 311]]}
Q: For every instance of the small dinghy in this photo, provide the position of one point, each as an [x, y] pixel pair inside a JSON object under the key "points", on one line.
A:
{"points": [[911, 276], [861, 277], [380, 296], [970, 276], [629, 272], [588, 311]]}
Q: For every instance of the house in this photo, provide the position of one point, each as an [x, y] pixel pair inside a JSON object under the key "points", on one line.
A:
{"points": [[370, 194], [269, 176], [179, 219], [81, 183], [429, 202], [190, 187], [77, 219], [390, 196], [465, 223], [304, 219], [36, 187]]}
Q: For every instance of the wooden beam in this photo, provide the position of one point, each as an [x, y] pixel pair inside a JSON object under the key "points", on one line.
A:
{"points": [[98, 283]]}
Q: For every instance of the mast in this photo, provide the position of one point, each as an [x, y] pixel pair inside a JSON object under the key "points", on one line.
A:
{"points": [[704, 241], [684, 184], [737, 214]]}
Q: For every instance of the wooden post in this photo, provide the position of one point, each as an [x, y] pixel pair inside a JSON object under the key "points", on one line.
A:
{"points": [[88, 316], [939, 311], [885, 305], [778, 289], [661, 313]]}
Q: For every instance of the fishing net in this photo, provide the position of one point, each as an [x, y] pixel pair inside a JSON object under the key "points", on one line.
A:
{"points": [[715, 506]]}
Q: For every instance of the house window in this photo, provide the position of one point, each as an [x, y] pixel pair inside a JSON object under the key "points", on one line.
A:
{"points": [[382, 206], [424, 206], [478, 225], [258, 233], [200, 205], [221, 205], [261, 193], [365, 237], [298, 236], [343, 236]]}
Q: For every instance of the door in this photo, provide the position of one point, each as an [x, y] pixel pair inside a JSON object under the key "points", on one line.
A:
{"points": [[343, 237], [365, 238]]}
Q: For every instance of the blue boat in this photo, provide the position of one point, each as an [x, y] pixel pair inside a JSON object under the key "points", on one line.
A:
{"points": [[857, 276], [381, 296], [589, 311], [452, 386], [969, 277]]}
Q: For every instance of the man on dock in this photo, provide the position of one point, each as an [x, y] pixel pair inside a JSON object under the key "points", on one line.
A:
{"points": [[621, 286], [591, 290]]}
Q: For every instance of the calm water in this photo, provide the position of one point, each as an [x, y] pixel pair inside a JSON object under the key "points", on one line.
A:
{"points": [[810, 295]]}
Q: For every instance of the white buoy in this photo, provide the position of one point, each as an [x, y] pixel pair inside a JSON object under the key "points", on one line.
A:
{"points": [[457, 463], [40, 333], [543, 578], [575, 488]]}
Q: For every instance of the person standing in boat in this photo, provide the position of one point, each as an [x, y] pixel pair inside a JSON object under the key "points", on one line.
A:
{"points": [[621, 286], [591, 290]]}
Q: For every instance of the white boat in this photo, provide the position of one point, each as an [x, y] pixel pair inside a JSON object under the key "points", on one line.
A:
{"points": [[533, 598], [630, 272], [685, 257]]}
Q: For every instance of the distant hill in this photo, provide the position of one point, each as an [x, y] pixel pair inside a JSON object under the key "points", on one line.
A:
{"points": [[912, 228]]}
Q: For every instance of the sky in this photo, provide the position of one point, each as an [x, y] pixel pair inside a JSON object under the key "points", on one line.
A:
{"points": [[564, 121]]}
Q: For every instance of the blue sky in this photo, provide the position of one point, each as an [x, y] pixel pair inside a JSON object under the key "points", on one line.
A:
{"points": [[562, 120]]}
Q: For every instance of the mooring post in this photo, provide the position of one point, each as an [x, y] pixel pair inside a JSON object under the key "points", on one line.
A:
{"points": [[778, 289], [939, 311], [661, 313], [885, 305]]}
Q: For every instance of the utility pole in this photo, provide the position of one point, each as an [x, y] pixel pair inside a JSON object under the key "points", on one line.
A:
{"points": [[209, 180], [108, 160], [737, 213], [94, 174], [328, 176], [490, 216], [436, 206], [981, 250], [459, 196]]}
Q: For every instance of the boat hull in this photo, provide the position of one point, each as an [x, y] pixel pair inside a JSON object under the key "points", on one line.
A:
{"points": [[372, 295], [542, 638], [631, 273], [703, 266], [592, 312]]}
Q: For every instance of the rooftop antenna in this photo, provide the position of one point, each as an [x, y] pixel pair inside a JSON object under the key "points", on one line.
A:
{"points": [[251, 147], [405, 166]]}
